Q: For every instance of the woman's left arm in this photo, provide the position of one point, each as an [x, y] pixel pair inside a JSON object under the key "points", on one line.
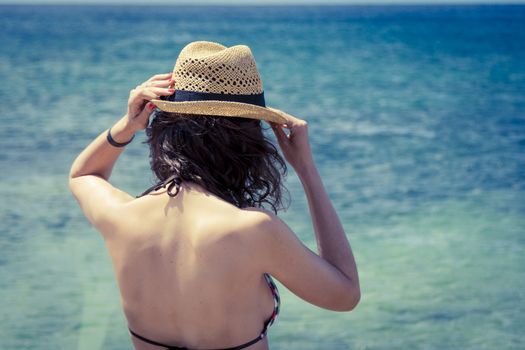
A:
{"points": [[99, 157], [90, 172]]}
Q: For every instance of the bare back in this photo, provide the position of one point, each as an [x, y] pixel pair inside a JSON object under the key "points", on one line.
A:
{"points": [[184, 265]]}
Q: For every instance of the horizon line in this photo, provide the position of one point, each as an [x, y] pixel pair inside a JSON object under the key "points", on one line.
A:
{"points": [[266, 4]]}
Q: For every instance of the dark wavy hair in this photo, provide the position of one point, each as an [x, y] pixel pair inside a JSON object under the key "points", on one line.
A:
{"points": [[229, 157]]}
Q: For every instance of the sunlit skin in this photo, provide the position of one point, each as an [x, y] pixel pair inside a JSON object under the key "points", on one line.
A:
{"points": [[190, 268]]}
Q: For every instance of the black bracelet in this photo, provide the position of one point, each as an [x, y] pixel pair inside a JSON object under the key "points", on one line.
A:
{"points": [[115, 143]]}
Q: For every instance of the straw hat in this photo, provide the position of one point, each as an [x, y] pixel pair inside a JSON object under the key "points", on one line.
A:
{"points": [[211, 79]]}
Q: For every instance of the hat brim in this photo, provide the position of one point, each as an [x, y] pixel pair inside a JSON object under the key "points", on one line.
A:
{"points": [[222, 108]]}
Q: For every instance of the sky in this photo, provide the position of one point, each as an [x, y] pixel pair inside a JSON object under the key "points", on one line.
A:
{"points": [[269, 2]]}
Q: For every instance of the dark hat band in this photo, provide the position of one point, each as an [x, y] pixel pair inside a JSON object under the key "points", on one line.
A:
{"points": [[185, 95]]}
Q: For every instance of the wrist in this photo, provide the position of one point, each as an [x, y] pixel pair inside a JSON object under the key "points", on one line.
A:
{"points": [[307, 172], [122, 130]]}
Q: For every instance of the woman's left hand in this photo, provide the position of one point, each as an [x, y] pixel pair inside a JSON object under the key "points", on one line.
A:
{"points": [[139, 110]]}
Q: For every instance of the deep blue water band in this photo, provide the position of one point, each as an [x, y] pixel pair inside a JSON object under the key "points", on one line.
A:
{"points": [[183, 95]]}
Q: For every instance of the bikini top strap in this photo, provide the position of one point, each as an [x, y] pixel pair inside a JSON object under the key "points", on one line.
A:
{"points": [[268, 323], [175, 181], [152, 342], [276, 300]]}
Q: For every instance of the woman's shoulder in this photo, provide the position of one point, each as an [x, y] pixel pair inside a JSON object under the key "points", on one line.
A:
{"points": [[262, 223], [258, 216]]}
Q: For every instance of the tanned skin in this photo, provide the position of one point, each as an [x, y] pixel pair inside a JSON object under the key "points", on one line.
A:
{"points": [[190, 268]]}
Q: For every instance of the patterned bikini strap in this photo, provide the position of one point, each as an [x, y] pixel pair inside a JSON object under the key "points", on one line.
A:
{"points": [[175, 181], [276, 301]]}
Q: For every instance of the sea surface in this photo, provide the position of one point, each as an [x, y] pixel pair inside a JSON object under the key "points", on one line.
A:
{"points": [[417, 123]]}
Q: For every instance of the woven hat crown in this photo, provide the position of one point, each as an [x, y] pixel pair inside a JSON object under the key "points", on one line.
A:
{"points": [[215, 80], [209, 67]]}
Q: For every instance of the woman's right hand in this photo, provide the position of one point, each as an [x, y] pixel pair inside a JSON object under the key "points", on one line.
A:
{"points": [[294, 145]]}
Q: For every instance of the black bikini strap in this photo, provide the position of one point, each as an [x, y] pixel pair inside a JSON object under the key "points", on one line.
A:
{"points": [[245, 345], [170, 347], [152, 342], [175, 181]]}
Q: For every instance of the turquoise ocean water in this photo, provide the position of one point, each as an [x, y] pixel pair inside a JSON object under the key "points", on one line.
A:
{"points": [[417, 122]]}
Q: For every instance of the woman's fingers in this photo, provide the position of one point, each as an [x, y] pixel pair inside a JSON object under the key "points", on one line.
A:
{"points": [[139, 110], [291, 121], [158, 83], [146, 95], [279, 134], [160, 91], [151, 92], [160, 76]]}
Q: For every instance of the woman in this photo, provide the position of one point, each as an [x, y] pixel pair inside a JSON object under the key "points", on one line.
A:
{"points": [[193, 255]]}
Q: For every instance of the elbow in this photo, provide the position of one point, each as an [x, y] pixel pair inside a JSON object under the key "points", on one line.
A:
{"points": [[350, 300], [73, 180], [71, 183], [71, 177], [355, 297], [74, 171]]}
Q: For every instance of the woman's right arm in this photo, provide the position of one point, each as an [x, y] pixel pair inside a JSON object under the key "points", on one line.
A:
{"points": [[329, 280]]}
